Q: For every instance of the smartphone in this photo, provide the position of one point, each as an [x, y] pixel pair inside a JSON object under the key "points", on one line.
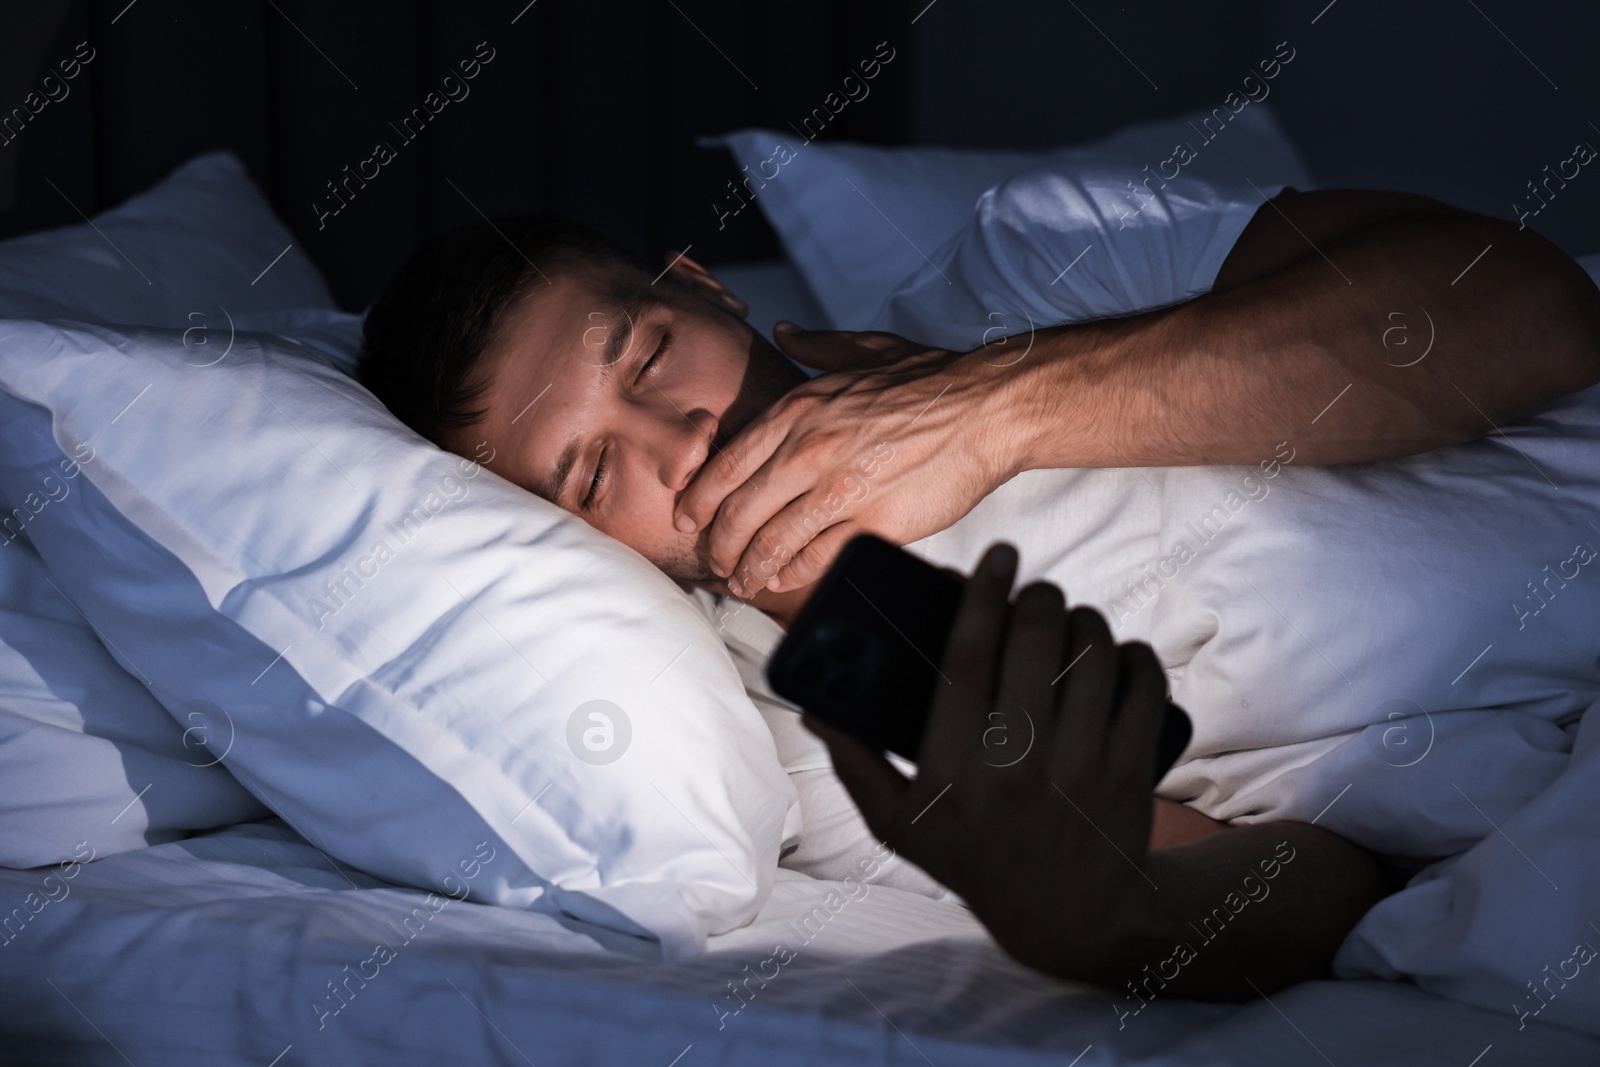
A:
{"points": [[863, 655]]}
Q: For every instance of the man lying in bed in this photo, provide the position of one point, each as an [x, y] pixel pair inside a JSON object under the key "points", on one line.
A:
{"points": [[651, 409]]}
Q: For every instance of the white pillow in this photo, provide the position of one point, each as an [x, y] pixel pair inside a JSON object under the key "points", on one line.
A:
{"points": [[410, 653], [87, 757], [857, 219], [1062, 244], [90, 763], [333, 335], [200, 246]]}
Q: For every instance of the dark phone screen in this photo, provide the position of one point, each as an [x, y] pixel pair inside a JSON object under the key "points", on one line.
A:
{"points": [[863, 654]]}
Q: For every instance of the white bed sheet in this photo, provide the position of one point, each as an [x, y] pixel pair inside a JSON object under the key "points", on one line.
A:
{"points": [[212, 951]]}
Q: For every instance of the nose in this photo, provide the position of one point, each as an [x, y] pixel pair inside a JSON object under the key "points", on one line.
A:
{"points": [[683, 446]]}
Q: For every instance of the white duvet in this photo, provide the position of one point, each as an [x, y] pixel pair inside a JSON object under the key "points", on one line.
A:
{"points": [[1362, 643], [1353, 650], [1400, 652], [246, 946], [1396, 650]]}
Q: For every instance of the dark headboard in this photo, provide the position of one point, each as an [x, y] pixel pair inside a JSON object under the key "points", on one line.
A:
{"points": [[589, 108]]}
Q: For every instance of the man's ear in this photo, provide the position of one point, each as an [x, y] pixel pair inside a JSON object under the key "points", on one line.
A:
{"points": [[699, 279]]}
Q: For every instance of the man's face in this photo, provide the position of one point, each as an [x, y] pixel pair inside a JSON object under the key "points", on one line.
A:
{"points": [[606, 394]]}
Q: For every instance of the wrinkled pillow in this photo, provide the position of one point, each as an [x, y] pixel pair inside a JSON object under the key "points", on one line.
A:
{"points": [[428, 672], [858, 219], [90, 763], [191, 251]]}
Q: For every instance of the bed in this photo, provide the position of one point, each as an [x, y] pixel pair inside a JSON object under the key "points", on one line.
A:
{"points": [[248, 943], [220, 950]]}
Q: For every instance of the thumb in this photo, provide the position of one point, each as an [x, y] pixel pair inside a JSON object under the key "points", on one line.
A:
{"points": [[834, 350]]}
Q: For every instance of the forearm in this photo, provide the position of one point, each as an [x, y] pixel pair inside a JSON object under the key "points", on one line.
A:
{"points": [[1301, 354], [1243, 912]]}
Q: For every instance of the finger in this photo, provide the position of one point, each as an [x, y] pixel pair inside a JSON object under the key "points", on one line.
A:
{"points": [[1141, 704], [793, 529], [962, 695], [1023, 720], [727, 469], [764, 491], [753, 507], [835, 350], [1088, 684], [782, 537], [872, 782], [815, 559]]}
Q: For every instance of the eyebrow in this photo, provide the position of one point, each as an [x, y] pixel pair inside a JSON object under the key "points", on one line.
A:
{"points": [[550, 488], [621, 333]]}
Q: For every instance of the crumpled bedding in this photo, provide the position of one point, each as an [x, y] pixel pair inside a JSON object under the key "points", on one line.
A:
{"points": [[247, 946], [1399, 652], [1513, 924]]}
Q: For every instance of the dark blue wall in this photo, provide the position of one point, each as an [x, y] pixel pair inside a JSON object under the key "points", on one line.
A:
{"points": [[592, 107], [1421, 95]]}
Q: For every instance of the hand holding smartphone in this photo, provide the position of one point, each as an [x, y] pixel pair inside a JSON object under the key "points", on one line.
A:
{"points": [[863, 655]]}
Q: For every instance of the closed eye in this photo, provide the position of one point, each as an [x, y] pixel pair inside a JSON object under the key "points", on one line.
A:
{"points": [[602, 465], [595, 482], [653, 363]]}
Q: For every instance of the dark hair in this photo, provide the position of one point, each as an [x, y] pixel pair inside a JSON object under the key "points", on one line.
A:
{"points": [[427, 331]]}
